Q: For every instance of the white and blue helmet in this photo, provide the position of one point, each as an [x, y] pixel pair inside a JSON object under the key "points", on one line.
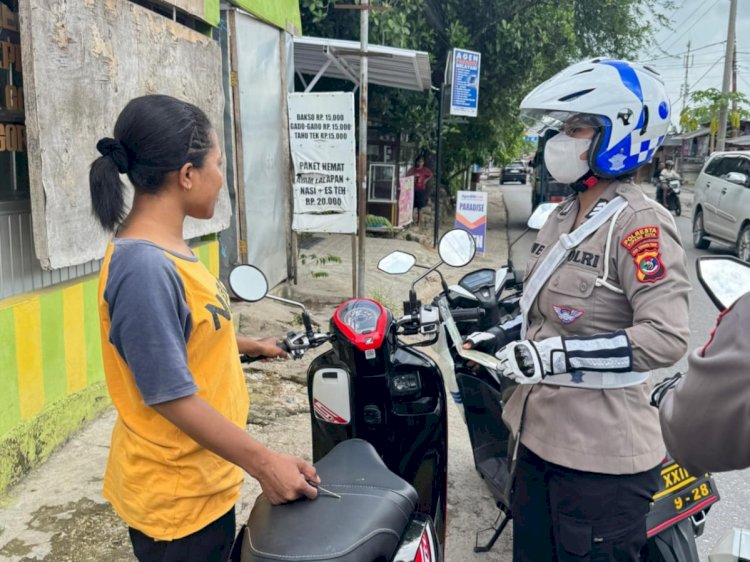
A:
{"points": [[626, 101]]}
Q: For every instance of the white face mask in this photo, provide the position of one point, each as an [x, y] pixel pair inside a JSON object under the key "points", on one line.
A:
{"points": [[562, 156]]}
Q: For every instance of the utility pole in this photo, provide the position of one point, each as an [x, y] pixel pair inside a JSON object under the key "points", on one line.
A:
{"points": [[364, 21], [721, 137], [735, 132], [685, 86]]}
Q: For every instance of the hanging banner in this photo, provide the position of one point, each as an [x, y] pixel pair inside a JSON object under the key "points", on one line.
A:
{"points": [[471, 215], [406, 201], [321, 136], [465, 83]]}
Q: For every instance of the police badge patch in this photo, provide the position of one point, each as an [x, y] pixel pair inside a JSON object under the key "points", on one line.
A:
{"points": [[643, 245], [567, 315]]}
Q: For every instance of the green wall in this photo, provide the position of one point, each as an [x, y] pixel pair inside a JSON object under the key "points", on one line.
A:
{"points": [[283, 14]]}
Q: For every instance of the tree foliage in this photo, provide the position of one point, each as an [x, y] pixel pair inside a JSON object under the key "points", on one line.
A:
{"points": [[706, 105], [522, 42]]}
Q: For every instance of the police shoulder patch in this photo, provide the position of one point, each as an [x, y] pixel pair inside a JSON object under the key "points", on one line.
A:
{"points": [[643, 245], [640, 235]]}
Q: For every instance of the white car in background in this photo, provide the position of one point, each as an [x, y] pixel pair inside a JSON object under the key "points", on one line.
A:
{"points": [[721, 203]]}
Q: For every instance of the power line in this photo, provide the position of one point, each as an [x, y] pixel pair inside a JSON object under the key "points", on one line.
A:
{"points": [[711, 7], [685, 52], [670, 18], [706, 73]]}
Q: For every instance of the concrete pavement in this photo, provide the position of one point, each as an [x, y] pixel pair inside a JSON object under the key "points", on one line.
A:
{"points": [[57, 512]]}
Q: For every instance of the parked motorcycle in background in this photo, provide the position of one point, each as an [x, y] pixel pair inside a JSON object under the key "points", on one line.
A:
{"points": [[378, 410]]}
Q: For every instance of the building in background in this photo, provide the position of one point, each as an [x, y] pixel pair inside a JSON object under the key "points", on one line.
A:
{"points": [[257, 44], [68, 68]]}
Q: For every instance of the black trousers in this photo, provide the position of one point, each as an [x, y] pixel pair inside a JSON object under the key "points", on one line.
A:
{"points": [[212, 543], [565, 515]]}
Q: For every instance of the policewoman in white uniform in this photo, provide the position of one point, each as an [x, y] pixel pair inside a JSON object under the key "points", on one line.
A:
{"points": [[606, 302]]}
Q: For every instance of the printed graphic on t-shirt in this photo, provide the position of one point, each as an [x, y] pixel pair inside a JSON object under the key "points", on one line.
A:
{"points": [[224, 311]]}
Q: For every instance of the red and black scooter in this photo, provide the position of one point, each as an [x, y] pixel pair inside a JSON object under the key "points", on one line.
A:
{"points": [[379, 426]]}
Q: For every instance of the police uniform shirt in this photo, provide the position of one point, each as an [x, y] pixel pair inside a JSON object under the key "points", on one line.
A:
{"points": [[612, 431]]}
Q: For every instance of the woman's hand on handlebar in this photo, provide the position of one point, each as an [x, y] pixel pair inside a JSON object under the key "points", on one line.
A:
{"points": [[267, 348]]}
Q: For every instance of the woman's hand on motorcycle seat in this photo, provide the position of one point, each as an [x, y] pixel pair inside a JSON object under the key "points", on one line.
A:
{"points": [[284, 478]]}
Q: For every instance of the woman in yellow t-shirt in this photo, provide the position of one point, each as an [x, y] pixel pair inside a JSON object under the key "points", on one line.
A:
{"points": [[171, 356]]}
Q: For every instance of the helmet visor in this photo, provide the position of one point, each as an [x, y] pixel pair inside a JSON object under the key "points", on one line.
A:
{"points": [[541, 120]]}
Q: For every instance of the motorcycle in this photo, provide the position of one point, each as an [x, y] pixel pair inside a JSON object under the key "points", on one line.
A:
{"points": [[678, 510], [378, 411], [670, 188]]}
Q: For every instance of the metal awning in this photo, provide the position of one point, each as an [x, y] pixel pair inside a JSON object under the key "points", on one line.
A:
{"points": [[694, 134], [740, 141], [336, 58]]}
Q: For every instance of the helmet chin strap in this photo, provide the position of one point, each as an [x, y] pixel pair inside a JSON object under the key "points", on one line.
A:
{"points": [[585, 182]]}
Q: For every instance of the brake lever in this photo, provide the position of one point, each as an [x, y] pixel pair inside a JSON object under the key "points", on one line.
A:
{"points": [[296, 343]]}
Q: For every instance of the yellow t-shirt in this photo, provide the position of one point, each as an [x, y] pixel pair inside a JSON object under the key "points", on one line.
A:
{"points": [[167, 333]]}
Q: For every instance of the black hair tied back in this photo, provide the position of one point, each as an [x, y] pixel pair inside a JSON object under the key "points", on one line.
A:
{"points": [[154, 136], [112, 148]]}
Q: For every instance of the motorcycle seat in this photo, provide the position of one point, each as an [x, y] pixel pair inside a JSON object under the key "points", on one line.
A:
{"points": [[365, 524]]}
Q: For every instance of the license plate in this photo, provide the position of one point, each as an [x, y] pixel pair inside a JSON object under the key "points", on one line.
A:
{"points": [[683, 489], [692, 496], [680, 495]]}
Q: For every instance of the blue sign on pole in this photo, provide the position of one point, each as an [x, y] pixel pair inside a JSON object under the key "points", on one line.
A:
{"points": [[465, 88]]}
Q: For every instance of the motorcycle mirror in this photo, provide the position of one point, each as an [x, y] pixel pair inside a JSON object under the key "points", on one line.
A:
{"points": [[397, 263], [725, 279], [248, 283], [457, 248], [540, 215]]}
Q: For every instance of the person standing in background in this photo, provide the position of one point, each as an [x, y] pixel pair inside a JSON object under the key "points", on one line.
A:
{"points": [[422, 175]]}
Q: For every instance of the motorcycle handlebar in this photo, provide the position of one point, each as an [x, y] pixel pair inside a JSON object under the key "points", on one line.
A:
{"points": [[467, 314]]}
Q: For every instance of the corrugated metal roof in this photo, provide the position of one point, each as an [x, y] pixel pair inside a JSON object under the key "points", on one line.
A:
{"points": [[697, 133], [740, 141], [387, 66]]}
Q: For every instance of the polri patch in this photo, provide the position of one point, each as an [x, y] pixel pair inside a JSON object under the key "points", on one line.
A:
{"points": [[567, 315]]}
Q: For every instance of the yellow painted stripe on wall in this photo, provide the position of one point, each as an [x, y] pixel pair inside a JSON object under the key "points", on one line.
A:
{"points": [[27, 316], [75, 339], [213, 258]]}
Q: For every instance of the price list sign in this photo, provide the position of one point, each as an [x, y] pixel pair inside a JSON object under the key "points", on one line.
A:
{"points": [[321, 136], [465, 89]]}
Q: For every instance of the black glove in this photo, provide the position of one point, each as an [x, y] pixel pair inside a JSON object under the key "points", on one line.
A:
{"points": [[662, 388], [489, 341]]}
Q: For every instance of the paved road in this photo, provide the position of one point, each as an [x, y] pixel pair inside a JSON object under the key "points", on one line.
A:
{"points": [[734, 508]]}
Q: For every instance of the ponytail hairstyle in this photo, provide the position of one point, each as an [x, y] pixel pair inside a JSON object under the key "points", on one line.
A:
{"points": [[154, 135]]}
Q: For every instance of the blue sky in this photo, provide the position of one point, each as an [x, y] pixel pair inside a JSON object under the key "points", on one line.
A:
{"points": [[704, 24]]}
